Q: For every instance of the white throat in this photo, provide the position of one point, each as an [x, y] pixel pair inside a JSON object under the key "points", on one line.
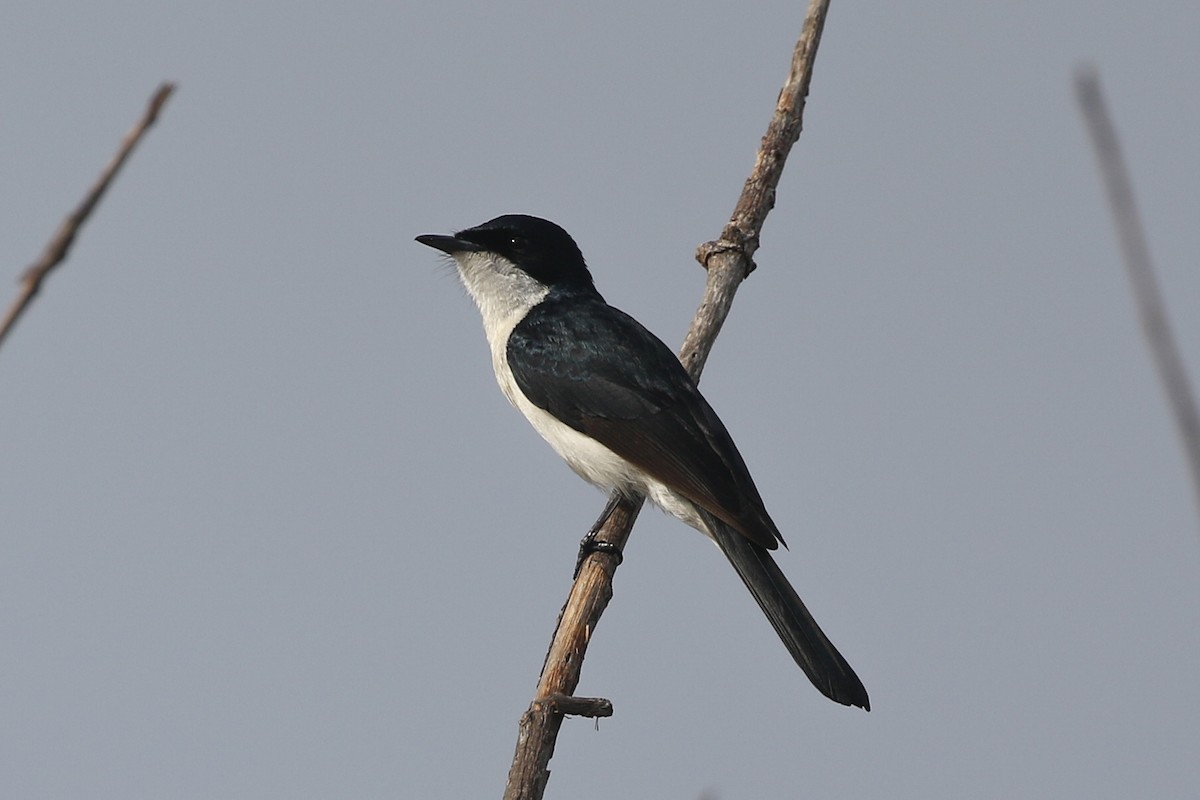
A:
{"points": [[503, 292]]}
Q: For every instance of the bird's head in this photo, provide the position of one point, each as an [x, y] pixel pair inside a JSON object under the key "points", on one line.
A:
{"points": [[515, 254]]}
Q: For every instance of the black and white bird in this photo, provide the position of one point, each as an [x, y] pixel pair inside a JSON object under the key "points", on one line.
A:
{"points": [[615, 403]]}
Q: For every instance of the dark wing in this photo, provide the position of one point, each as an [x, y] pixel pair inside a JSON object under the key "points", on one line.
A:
{"points": [[599, 371]]}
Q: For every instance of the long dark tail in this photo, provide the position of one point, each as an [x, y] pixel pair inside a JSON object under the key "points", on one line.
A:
{"points": [[807, 643]]}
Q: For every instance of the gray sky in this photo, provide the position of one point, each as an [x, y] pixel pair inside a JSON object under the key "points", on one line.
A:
{"points": [[237, 427]]}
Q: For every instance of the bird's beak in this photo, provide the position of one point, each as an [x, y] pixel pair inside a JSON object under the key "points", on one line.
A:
{"points": [[448, 244]]}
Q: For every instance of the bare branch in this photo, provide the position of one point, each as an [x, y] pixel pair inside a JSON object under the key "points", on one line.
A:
{"points": [[1136, 252], [58, 247], [730, 259], [729, 262]]}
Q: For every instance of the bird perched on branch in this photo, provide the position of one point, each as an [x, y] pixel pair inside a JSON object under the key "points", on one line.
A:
{"points": [[615, 403]]}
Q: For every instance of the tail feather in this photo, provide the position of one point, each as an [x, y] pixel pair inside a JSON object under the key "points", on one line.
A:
{"points": [[804, 639]]}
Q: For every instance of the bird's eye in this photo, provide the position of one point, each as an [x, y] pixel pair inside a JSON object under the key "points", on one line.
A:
{"points": [[516, 242]]}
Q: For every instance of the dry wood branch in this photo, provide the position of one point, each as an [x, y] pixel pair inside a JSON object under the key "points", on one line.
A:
{"points": [[1136, 253], [728, 261], [58, 247], [579, 706]]}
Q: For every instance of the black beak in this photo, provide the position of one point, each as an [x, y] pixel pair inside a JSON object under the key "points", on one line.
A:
{"points": [[448, 244]]}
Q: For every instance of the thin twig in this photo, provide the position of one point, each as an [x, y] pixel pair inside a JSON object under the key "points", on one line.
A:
{"points": [[728, 261], [58, 247], [1136, 253]]}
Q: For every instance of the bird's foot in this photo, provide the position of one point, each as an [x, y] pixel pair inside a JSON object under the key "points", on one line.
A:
{"points": [[590, 544]]}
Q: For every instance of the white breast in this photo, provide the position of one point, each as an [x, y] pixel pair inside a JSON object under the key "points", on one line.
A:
{"points": [[504, 295]]}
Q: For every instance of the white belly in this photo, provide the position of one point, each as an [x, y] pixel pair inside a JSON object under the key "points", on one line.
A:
{"points": [[504, 296], [591, 460]]}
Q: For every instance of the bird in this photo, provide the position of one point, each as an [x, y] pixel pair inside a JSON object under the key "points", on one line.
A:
{"points": [[616, 404]]}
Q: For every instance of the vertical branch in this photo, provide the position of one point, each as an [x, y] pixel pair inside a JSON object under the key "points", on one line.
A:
{"points": [[60, 245], [729, 260], [1136, 253]]}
